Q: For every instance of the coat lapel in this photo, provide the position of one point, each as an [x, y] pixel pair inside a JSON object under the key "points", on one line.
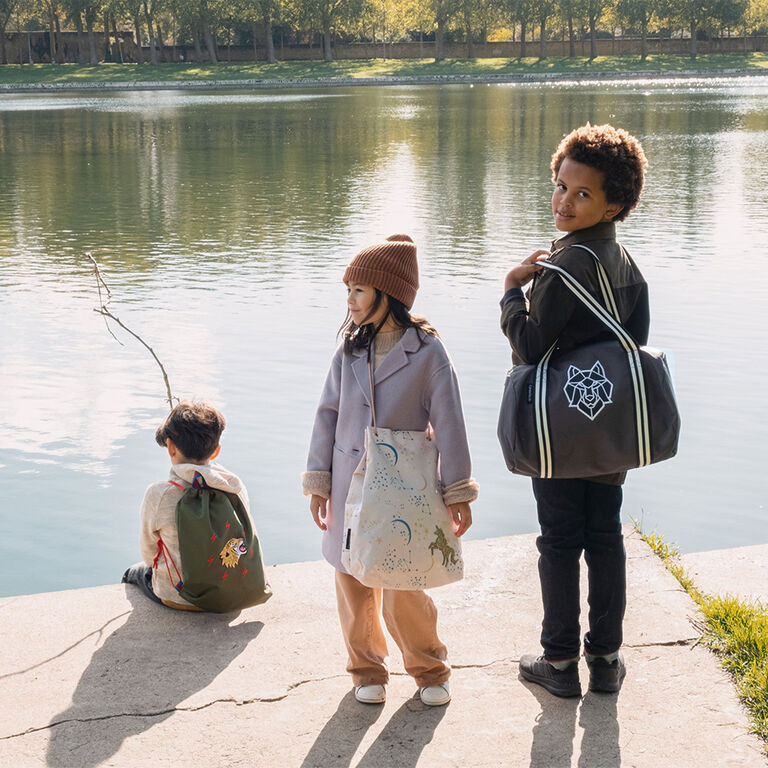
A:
{"points": [[392, 363], [360, 369], [398, 356]]}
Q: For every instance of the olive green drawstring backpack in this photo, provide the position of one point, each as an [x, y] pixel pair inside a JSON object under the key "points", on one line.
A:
{"points": [[221, 564]]}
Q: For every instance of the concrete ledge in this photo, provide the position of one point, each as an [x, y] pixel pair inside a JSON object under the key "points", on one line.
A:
{"points": [[101, 676], [741, 572]]}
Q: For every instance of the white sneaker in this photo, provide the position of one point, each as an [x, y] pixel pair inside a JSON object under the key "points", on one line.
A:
{"points": [[436, 695], [371, 694]]}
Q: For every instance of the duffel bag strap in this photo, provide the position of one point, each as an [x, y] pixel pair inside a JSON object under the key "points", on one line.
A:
{"points": [[606, 289], [633, 359]]}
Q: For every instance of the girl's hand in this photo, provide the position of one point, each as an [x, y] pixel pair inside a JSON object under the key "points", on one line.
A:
{"points": [[462, 517], [318, 506], [523, 273]]}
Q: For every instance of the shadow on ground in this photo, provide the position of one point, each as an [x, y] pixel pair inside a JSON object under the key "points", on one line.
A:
{"points": [[554, 734], [400, 742], [136, 679]]}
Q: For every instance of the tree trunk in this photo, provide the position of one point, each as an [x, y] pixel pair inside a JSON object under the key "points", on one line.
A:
{"points": [[440, 40], [52, 35], [160, 41], [693, 39], [522, 38], [210, 43], [644, 39], [80, 44], [571, 37], [151, 31], [90, 20], [543, 38], [118, 41], [107, 40], [470, 42], [592, 36], [327, 52], [137, 32], [29, 46], [3, 50], [196, 42], [254, 41], [268, 41]]}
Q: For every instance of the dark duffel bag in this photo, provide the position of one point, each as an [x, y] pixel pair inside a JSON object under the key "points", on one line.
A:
{"points": [[593, 410]]}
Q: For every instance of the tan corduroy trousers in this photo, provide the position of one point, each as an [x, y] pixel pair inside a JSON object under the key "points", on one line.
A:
{"points": [[411, 618]]}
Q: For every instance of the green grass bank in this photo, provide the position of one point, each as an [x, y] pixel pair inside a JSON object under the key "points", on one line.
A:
{"points": [[528, 68], [735, 630]]}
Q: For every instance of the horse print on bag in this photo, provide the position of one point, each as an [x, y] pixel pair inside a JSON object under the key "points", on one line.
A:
{"points": [[441, 543], [588, 391]]}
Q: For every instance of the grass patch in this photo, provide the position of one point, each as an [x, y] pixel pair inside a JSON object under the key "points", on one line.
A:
{"points": [[31, 74], [736, 631]]}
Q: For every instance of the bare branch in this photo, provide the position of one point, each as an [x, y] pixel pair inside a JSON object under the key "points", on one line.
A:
{"points": [[105, 313], [99, 283]]}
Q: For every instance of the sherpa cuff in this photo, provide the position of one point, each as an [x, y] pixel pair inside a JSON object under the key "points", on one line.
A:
{"points": [[461, 491], [316, 484]]}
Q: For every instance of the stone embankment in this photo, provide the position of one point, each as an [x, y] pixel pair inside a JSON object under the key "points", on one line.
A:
{"points": [[103, 677], [347, 82]]}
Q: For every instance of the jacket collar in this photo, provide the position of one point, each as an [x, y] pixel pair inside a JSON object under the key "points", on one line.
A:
{"points": [[605, 230], [396, 359]]}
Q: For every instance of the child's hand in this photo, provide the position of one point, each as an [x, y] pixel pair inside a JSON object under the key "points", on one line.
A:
{"points": [[462, 517], [318, 506], [523, 273]]}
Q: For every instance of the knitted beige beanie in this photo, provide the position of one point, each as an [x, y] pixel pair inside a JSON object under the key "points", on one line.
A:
{"points": [[390, 266]]}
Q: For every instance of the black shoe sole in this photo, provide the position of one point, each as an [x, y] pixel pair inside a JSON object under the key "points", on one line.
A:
{"points": [[563, 692]]}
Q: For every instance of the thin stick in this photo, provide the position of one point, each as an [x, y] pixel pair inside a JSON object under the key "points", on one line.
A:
{"points": [[105, 313]]}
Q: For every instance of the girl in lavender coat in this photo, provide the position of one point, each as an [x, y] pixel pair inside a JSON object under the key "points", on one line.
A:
{"points": [[416, 388]]}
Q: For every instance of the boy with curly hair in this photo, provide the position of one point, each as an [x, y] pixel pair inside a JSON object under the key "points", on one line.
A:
{"points": [[598, 173]]}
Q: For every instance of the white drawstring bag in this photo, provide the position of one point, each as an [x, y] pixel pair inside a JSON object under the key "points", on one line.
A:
{"points": [[398, 533]]}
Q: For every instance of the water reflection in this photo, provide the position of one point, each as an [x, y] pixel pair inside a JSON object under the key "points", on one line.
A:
{"points": [[224, 222]]}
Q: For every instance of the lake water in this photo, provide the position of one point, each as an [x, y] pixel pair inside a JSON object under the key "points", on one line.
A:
{"points": [[223, 222]]}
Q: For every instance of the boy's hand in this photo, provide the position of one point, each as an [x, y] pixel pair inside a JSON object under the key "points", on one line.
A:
{"points": [[523, 273], [318, 506], [462, 517]]}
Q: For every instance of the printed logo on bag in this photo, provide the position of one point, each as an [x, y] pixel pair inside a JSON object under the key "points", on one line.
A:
{"points": [[588, 391], [441, 543], [232, 552]]}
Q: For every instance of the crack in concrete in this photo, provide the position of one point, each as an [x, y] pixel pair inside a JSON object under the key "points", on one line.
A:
{"points": [[171, 710], [292, 687], [98, 632]]}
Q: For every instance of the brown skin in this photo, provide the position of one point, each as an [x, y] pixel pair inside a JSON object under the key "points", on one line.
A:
{"points": [[578, 202]]}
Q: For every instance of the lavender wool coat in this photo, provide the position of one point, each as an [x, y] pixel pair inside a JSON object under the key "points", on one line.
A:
{"points": [[415, 386]]}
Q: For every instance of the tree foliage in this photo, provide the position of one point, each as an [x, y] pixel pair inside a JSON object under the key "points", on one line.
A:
{"points": [[204, 27]]}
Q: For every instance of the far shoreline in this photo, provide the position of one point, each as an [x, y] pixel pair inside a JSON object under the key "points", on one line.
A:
{"points": [[346, 73], [390, 80]]}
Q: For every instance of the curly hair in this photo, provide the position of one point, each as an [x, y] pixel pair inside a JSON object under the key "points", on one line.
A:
{"points": [[195, 428], [613, 151]]}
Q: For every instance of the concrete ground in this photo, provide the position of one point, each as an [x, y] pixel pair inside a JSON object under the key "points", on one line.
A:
{"points": [[103, 677], [740, 572]]}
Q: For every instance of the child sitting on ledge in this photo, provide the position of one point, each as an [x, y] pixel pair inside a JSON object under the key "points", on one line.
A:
{"points": [[191, 435]]}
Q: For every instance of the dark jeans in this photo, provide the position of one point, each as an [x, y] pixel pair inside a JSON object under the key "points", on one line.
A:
{"points": [[141, 576], [575, 516]]}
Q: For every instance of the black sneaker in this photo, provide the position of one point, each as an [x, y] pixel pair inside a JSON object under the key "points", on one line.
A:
{"points": [[606, 676], [565, 682]]}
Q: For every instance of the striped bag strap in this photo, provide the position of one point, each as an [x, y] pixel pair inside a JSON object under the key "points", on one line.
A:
{"points": [[610, 319]]}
